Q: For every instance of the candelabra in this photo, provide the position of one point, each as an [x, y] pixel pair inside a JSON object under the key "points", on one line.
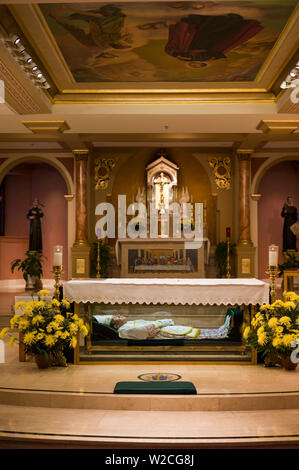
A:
{"points": [[273, 273], [57, 271], [57, 268], [228, 266], [98, 268], [273, 270]]}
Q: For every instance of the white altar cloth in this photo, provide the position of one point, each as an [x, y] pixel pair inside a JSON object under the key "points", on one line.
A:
{"points": [[168, 291]]}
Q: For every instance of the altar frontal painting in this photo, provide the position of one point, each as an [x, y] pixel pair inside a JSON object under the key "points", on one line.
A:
{"points": [[163, 261], [208, 41]]}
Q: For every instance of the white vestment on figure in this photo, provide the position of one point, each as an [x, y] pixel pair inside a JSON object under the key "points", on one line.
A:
{"points": [[138, 329]]}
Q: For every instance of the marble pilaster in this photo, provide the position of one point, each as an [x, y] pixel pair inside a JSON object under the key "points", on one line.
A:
{"points": [[81, 249]]}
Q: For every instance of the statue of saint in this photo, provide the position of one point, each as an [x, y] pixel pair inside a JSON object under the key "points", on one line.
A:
{"points": [[35, 235], [290, 214]]}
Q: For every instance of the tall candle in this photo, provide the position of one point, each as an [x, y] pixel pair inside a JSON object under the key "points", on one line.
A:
{"points": [[273, 255], [227, 232], [57, 256]]}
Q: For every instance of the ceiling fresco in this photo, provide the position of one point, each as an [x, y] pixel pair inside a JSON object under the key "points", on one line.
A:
{"points": [[204, 41]]}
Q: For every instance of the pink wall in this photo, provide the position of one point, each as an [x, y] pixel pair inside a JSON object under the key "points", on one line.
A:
{"points": [[280, 181], [24, 183], [11, 248]]}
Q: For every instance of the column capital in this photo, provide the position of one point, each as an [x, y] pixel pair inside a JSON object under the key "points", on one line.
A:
{"points": [[244, 154], [81, 154], [256, 196]]}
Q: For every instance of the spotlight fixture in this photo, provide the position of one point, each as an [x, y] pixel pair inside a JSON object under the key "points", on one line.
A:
{"points": [[291, 78], [25, 61]]}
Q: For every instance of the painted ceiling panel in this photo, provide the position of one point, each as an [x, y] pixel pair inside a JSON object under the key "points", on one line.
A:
{"points": [[204, 41]]}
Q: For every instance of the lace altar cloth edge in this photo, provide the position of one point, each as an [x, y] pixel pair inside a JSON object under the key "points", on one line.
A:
{"points": [[167, 291]]}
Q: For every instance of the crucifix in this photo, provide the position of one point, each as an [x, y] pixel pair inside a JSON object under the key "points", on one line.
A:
{"points": [[162, 192]]}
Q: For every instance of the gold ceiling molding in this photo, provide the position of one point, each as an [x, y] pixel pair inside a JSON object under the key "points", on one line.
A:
{"points": [[222, 171], [289, 35], [70, 92], [278, 126], [40, 127]]}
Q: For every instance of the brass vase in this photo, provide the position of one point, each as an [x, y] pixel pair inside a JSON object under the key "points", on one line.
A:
{"points": [[42, 361]]}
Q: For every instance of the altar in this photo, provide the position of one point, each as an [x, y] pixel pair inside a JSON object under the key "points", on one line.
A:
{"points": [[184, 319]]}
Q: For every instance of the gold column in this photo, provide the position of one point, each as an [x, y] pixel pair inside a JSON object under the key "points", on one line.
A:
{"points": [[81, 249], [245, 249]]}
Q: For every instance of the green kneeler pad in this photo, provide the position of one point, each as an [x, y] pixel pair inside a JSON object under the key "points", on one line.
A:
{"points": [[159, 387]]}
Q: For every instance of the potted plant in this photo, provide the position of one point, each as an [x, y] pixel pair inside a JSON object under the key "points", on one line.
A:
{"points": [[274, 331], [48, 328], [31, 267], [291, 262]]}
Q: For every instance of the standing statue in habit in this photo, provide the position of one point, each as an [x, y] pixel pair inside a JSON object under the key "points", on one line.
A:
{"points": [[290, 214], [35, 235]]}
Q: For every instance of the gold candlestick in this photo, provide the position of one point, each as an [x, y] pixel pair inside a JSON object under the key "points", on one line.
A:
{"points": [[57, 271], [273, 272], [98, 275], [228, 267]]}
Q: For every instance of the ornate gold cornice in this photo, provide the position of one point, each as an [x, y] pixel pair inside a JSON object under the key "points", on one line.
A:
{"points": [[39, 127], [278, 126]]}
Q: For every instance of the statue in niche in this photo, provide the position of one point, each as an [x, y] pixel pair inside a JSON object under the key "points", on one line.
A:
{"points": [[35, 232], [290, 214]]}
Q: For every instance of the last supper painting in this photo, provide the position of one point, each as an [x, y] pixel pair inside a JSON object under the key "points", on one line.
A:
{"points": [[208, 41]]}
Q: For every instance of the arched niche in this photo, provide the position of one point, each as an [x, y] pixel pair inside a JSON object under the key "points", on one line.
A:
{"points": [[52, 182], [279, 179]]}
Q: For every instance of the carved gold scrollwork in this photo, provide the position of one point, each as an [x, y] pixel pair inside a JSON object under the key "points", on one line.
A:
{"points": [[102, 171], [222, 172]]}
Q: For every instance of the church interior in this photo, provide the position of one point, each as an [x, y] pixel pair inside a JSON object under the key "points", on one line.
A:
{"points": [[149, 224]]}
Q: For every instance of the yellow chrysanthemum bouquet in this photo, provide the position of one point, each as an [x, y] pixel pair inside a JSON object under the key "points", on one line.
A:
{"points": [[48, 327], [275, 328]]}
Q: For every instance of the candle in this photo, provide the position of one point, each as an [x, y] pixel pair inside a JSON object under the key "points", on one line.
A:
{"points": [[273, 255], [98, 233], [57, 255], [227, 232]]}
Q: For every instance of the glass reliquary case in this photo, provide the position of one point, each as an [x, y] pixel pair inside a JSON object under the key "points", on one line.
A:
{"points": [[140, 332]]}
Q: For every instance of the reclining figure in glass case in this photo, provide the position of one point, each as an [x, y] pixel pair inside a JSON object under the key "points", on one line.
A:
{"points": [[160, 329]]}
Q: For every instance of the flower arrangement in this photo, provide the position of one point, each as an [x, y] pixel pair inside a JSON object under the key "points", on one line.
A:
{"points": [[275, 328], [48, 327]]}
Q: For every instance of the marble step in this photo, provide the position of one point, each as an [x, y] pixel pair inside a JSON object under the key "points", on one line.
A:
{"points": [[38, 397], [25, 426]]}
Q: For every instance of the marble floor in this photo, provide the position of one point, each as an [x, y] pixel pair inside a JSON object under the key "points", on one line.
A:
{"points": [[235, 405]]}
